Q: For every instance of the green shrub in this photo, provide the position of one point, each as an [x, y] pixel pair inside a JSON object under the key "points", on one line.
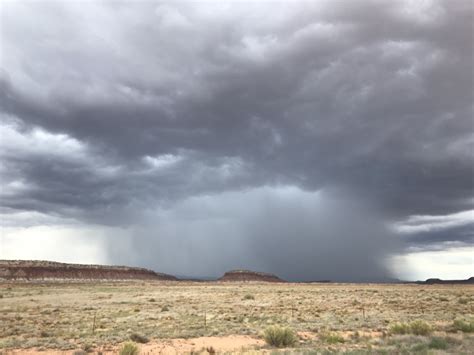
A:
{"points": [[400, 328], [417, 327], [249, 297], [138, 338], [332, 338], [438, 343], [463, 326], [280, 336], [129, 349]]}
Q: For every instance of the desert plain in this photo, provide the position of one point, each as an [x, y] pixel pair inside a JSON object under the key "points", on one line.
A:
{"points": [[169, 317]]}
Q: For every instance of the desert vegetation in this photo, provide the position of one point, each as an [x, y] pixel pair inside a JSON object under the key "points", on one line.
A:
{"points": [[280, 337], [206, 317]]}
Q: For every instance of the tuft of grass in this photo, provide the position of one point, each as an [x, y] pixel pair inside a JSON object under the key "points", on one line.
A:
{"points": [[138, 338], [87, 348], [44, 334], [438, 343], [420, 327], [400, 328], [129, 349], [417, 327], [419, 348], [463, 326], [331, 338], [279, 336], [249, 297]]}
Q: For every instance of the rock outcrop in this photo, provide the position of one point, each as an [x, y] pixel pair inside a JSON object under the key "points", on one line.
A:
{"points": [[247, 275], [48, 270]]}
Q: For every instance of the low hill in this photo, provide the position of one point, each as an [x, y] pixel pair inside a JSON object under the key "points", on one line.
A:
{"points": [[247, 275], [49, 270]]}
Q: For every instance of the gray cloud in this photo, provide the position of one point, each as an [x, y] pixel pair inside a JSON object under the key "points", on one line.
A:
{"points": [[113, 110]]}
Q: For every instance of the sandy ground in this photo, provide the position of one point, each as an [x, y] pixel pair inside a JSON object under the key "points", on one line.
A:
{"points": [[219, 344], [233, 343]]}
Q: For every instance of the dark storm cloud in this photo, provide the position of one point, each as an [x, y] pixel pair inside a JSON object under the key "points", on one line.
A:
{"points": [[296, 234], [146, 105], [464, 234]]}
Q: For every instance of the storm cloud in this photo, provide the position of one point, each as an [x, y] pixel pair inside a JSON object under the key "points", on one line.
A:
{"points": [[311, 139]]}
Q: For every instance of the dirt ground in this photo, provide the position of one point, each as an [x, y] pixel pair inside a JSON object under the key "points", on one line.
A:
{"points": [[187, 317], [231, 343]]}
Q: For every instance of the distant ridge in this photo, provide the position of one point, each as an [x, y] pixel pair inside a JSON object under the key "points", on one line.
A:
{"points": [[247, 275], [40, 270], [50, 270], [435, 281]]}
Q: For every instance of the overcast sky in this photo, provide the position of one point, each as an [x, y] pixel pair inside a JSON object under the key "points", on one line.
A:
{"points": [[315, 140]]}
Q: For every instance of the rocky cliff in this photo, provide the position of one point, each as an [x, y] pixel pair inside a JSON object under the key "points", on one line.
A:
{"points": [[48, 270]]}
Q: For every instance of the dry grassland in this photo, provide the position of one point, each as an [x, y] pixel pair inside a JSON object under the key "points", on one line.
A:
{"points": [[186, 317]]}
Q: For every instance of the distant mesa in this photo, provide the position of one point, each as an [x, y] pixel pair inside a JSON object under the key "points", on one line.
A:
{"points": [[436, 281], [433, 281], [247, 275], [48, 270], [317, 282]]}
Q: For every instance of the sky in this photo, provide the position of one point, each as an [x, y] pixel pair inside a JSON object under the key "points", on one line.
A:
{"points": [[311, 139]]}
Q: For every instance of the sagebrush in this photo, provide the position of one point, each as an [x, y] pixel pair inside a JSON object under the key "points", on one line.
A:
{"points": [[280, 336]]}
